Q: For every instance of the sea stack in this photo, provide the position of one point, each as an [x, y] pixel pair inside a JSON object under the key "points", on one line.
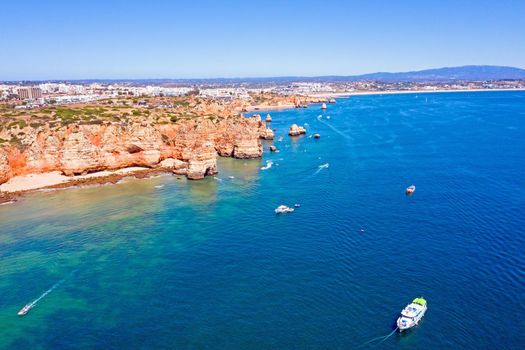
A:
{"points": [[268, 118], [266, 134], [296, 130]]}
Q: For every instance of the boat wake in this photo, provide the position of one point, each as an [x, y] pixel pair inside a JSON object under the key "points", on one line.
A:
{"points": [[321, 167], [269, 164], [381, 339], [334, 128], [32, 304]]}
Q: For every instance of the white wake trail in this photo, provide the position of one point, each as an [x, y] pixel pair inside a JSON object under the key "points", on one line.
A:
{"points": [[32, 304], [334, 128]]}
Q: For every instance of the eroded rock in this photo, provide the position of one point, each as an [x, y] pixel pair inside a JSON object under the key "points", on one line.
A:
{"points": [[296, 130]]}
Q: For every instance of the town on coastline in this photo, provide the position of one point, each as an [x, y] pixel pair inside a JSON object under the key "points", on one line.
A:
{"points": [[93, 132], [24, 95]]}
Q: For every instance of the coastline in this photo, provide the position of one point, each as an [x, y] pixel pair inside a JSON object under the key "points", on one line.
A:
{"points": [[23, 184], [266, 107], [396, 92]]}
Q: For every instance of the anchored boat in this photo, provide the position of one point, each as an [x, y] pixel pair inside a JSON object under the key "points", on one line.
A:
{"points": [[283, 209], [410, 189], [412, 314]]}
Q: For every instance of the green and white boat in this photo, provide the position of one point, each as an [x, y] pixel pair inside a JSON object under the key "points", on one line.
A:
{"points": [[412, 314]]}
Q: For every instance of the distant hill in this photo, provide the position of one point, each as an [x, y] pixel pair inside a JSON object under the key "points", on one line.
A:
{"points": [[448, 74], [463, 73]]}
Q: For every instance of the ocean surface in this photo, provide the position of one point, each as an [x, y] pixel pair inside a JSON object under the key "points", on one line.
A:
{"points": [[166, 263]]}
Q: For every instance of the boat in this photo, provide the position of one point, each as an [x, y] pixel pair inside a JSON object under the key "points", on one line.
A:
{"points": [[412, 314], [410, 189], [283, 209], [323, 106], [25, 309]]}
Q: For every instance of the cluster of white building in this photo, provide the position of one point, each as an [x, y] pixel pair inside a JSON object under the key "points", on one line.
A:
{"points": [[151, 90], [305, 88], [225, 93]]}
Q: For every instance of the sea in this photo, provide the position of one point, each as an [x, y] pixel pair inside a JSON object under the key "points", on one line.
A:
{"points": [[167, 263]]}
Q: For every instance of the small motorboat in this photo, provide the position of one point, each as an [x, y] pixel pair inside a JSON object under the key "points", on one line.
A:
{"points": [[297, 205], [283, 209], [323, 106], [25, 309], [410, 189], [412, 314]]}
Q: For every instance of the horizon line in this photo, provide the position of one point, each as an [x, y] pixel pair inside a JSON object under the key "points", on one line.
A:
{"points": [[256, 77]]}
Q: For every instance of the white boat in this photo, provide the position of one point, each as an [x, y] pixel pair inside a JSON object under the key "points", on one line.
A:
{"points": [[323, 106], [410, 189], [25, 309], [412, 314], [283, 209]]}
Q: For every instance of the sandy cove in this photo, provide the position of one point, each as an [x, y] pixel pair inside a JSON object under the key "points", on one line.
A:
{"points": [[20, 185]]}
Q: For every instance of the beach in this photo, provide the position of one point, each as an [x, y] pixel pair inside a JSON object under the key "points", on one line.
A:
{"points": [[19, 185]]}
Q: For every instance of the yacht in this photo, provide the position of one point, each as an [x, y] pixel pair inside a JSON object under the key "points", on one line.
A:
{"points": [[412, 314]]}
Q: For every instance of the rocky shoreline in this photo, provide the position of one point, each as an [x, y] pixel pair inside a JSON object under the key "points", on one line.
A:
{"points": [[91, 149], [187, 148]]}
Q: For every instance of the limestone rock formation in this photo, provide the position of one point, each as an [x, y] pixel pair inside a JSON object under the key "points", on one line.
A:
{"points": [[296, 130], [4, 167], [266, 134], [192, 145]]}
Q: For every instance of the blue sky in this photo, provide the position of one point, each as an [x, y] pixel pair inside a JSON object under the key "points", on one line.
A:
{"points": [[194, 39]]}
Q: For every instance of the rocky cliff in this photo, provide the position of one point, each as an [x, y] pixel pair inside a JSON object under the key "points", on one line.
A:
{"points": [[192, 145]]}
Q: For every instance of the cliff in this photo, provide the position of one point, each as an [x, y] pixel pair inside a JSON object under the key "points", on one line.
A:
{"points": [[79, 148]]}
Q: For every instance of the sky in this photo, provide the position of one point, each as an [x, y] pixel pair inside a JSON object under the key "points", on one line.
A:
{"points": [[116, 39]]}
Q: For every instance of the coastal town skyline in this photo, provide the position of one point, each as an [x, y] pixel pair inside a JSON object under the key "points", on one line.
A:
{"points": [[84, 40]]}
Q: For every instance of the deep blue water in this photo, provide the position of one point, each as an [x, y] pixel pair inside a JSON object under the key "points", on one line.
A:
{"points": [[208, 265]]}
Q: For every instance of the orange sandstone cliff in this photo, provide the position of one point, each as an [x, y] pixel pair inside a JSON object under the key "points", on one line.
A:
{"points": [[188, 147]]}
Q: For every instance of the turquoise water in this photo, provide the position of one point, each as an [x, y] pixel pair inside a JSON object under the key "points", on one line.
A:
{"points": [[208, 265]]}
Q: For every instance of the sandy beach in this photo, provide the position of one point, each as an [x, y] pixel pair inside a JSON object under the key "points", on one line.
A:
{"points": [[56, 179]]}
